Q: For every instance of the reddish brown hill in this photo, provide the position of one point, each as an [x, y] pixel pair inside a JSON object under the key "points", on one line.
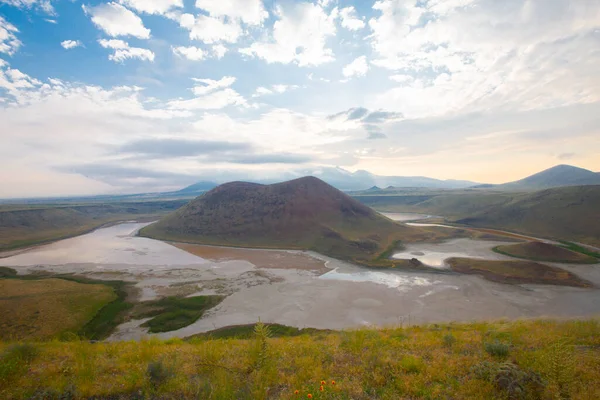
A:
{"points": [[305, 213]]}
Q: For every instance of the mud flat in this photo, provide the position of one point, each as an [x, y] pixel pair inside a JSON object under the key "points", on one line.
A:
{"points": [[276, 286]]}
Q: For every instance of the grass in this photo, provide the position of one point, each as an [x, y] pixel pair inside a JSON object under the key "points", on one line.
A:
{"points": [[580, 249], [537, 251], [172, 313], [547, 359], [247, 332], [517, 272], [48, 308]]}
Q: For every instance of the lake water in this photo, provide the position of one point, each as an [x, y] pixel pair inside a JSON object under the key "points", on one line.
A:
{"points": [[403, 217], [345, 296]]}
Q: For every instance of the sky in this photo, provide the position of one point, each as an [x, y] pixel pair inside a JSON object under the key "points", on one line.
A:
{"points": [[130, 96]]}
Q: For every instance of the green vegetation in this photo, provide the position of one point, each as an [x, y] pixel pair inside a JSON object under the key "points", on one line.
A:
{"points": [[49, 308], [569, 213], [517, 272], [247, 332], [538, 251], [172, 313], [580, 249], [27, 225], [545, 360]]}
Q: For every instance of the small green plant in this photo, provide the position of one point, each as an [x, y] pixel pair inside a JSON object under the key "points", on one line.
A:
{"points": [[15, 359], [449, 340], [158, 373], [261, 346], [558, 364], [497, 349], [411, 365]]}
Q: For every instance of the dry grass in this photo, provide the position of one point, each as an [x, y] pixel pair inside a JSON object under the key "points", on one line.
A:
{"points": [[517, 272], [545, 360], [539, 251], [42, 309]]}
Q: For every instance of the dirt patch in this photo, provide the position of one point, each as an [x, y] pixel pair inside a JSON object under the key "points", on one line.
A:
{"points": [[279, 259], [517, 272]]}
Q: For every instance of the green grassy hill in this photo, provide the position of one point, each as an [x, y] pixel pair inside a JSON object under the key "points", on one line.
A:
{"points": [[26, 225], [569, 213], [305, 213], [502, 360]]}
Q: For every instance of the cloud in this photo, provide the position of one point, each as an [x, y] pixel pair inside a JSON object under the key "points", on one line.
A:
{"points": [[123, 51], [219, 50], [211, 95], [191, 52], [169, 148], [299, 35], [470, 56], [70, 44], [566, 156], [280, 89], [358, 67], [349, 20], [382, 116], [251, 12], [210, 85], [116, 20], [44, 5], [210, 29], [153, 6], [9, 43], [284, 158]]}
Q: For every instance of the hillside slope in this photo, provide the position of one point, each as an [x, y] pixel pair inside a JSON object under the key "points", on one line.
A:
{"points": [[558, 176], [567, 213], [305, 213], [26, 225]]}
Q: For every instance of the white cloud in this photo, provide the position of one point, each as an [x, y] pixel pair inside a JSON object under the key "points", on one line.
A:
{"points": [[70, 44], [219, 50], [358, 67], [349, 20], [44, 5], [299, 35], [215, 100], [401, 78], [210, 29], [116, 20], [9, 43], [278, 88], [210, 85], [153, 6], [191, 52], [511, 55], [123, 51], [251, 12]]}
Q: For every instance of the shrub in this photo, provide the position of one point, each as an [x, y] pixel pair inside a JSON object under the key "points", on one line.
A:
{"points": [[411, 365], [558, 365], [497, 349], [510, 379], [158, 373], [449, 340], [16, 358]]}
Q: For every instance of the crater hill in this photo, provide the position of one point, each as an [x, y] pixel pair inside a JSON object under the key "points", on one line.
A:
{"points": [[304, 213]]}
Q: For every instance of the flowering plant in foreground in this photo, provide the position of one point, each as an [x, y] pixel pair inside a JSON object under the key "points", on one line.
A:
{"points": [[322, 388]]}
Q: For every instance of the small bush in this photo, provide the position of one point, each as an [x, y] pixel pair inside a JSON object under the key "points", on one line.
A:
{"points": [[16, 358], [510, 379], [411, 365], [158, 373], [449, 340], [497, 349]]}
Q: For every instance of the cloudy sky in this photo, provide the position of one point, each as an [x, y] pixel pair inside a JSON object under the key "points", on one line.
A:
{"points": [[136, 95]]}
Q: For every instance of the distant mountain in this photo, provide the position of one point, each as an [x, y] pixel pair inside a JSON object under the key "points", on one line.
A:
{"points": [[198, 187], [561, 175], [305, 213], [361, 180]]}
